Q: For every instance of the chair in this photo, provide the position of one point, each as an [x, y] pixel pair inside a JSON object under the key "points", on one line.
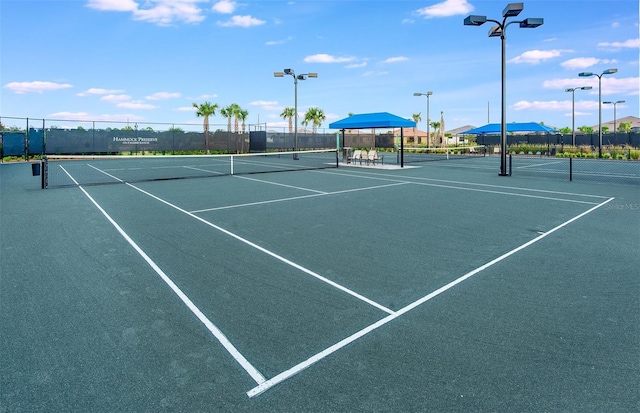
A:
{"points": [[373, 157], [355, 156]]}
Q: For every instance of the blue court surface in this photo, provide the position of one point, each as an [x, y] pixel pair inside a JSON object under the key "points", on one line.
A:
{"points": [[433, 288]]}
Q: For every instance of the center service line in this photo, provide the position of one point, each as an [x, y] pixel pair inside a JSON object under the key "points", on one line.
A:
{"points": [[262, 387]]}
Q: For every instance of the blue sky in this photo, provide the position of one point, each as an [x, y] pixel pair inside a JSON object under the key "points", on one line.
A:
{"points": [[149, 60]]}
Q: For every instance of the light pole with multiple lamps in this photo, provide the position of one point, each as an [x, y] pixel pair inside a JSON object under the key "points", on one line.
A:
{"points": [[429, 93], [303, 76], [512, 10], [589, 74], [573, 110], [615, 126]]}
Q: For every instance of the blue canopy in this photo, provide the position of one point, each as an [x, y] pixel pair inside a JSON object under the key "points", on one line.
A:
{"points": [[373, 120], [511, 127]]}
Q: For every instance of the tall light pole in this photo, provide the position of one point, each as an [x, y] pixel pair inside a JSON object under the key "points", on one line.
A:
{"points": [[573, 110], [589, 74], [303, 76], [615, 126], [512, 10], [429, 93]]}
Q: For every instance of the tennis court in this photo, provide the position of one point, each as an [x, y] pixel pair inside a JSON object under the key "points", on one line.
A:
{"points": [[436, 287]]}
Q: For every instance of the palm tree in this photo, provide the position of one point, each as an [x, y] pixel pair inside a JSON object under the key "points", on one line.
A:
{"points": [[436, 127], [289, 114], [227, 114], [205, 110], [235, 111], [316, 116], [242, 115], [416, 118]]}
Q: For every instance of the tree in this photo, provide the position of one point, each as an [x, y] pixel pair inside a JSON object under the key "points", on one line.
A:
{"points": [[205, 110], [605, 129], [585, 129], [416, 118], [624, 127], [235, 112], [242, 115], [436, 128], [228, 114], [289, 114], [316, 116], [566, 130]]}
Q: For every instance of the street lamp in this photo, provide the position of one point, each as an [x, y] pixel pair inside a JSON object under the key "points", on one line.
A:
{"points": [[615, 127], [589, 74], [573, 110], [429, 93], [512, 10], [303, 76]]}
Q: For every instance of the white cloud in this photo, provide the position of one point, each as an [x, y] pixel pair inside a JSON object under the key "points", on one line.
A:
{"points": [[555, 105], [356, 65], [611, 85], [163, 96], [83, 116], [97, 91], [115, 98], [186, 109], [204, 97], [266, 104], [326, 58], [161, 12], [35, 87], [446, 8], [242, 21], [631, 44], [395, 59], [584, 62], [136, 105], [113, 5], [277, 42], [224, 7], [372, 73], [536, 56]]}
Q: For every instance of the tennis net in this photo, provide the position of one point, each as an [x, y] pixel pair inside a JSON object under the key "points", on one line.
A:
{"points": [[73, 170], [410, 155]]}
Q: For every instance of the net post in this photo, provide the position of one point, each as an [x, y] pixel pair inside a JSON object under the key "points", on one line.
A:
{"points": [[570, 169], [231, 164], [510, 164], [44, 173]]}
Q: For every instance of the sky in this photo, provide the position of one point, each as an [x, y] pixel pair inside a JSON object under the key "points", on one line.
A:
{"points": [[148, 61]]}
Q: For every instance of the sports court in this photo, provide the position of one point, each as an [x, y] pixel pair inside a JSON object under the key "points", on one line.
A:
{"points": [[440, 286]]}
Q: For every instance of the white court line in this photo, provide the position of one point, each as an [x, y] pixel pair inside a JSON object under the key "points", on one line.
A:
{"points": [[515, 188], [279, 184], [217, 333], [295, 197], [332, 349], [462, 188], [268, 252], [538, 164]]}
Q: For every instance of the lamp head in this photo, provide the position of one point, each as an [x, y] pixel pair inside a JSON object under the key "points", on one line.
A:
{"points": [[417, 94], [585, 74], [512, 9], [314, 75], [532, 22], [278, 74], [571, 89], [495, 31], [474, 20], [586, 88], [609, 71], [429, 93], [288, 71]]}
